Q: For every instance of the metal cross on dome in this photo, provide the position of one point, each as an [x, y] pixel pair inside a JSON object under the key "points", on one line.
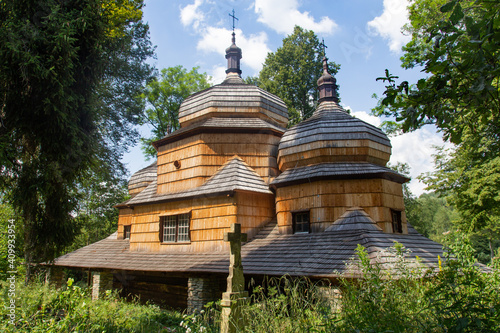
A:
{"points": [[322, 44], [234, 18]]}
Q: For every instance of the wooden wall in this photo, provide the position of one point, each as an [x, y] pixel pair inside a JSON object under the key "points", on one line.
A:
{"points": [[333, 151], [328, 200], [201, 155], [167, 292], [211, 217], [255, 210]]}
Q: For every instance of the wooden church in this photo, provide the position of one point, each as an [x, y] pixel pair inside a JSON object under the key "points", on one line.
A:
{"points": [[305, 196]]}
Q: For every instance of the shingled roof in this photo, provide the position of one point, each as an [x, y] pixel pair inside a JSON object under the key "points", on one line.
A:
{"points": [[232, 176], [331, 122], [143, 177], [221, 125], [353, 170], [317, 255], [231, 94], [354, 218]]}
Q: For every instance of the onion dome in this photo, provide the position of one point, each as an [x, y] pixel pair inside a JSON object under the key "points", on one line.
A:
{"points": [[327, 85], [332, 135], [233, 56]]}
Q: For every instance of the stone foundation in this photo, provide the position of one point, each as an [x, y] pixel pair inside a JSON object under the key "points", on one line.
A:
{"points": [[55, 276], [202, 290], [101, 281]]}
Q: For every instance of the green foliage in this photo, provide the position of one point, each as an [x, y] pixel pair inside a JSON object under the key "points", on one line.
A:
{"points": [[292, 72], [11, 242], [163, 97], [458, 49], [384, 300], [40, 308], [400, 296], [287, 305], [97, 217], [463, 298], [434, 216], [70, 72], [468, 176], [457, 43]]}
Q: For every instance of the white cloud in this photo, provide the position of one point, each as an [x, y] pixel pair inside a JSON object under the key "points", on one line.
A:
{"points": [[254, 47], [191, 15], [415, 149], [283, 15], [389, 24], [375, 121], [216, 39], [218, 74]]}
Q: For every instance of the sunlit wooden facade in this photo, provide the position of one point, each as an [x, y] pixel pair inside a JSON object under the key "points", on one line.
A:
{"points": [[306, 196]]}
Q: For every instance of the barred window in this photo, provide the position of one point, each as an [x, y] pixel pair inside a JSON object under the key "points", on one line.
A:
{"points": [[174, 228]]}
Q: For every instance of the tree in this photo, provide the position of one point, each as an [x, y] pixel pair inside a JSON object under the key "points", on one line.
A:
{"points": [[292, 71], [470, 180], [69, 71], [163, 97], [96, 216], [458, 47], [412, 206]]}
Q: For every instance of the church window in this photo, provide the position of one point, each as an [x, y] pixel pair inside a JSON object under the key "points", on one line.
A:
{"points": [[126, 231], [300, 222], [397, 225], [174, 228]]}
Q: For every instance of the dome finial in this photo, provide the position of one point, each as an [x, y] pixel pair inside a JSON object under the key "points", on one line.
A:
{"points": [[233, 53], [327, 85]]}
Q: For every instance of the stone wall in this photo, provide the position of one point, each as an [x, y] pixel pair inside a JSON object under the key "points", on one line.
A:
{"points": [[101, 281], [202, 290]]}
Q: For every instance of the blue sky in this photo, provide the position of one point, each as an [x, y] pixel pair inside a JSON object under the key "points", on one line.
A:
{"points": [[363, 36]]}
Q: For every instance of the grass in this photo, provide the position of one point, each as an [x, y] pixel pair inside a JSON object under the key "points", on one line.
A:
{"points": [[461, 297]]}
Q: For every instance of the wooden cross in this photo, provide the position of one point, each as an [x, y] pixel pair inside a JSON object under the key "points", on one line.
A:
{"points": [[234, 18], [235, 280], [322, 44]]}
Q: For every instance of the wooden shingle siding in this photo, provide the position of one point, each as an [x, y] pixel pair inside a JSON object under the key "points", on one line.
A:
{"points": [[201, 155], [234, 175], [327, 200], [333, 152], [210, 218], [235, 193]]}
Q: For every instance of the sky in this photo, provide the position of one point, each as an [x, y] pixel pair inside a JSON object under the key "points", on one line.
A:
{"points": [[363, 36]]}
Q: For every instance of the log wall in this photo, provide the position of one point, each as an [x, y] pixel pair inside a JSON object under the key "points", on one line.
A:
{"points": [[200, 156], [167, 292], [328, 200]]}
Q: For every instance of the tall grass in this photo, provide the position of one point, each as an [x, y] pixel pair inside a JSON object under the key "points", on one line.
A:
{"points": [[460, 297], [40, 308]]}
